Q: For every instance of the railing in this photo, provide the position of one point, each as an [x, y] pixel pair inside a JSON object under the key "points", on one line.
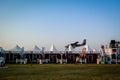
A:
{"points": [[80, 60], [21, 61], [61, 61], [41, 61]]}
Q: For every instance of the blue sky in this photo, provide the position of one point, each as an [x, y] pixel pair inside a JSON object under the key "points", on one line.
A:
{"points": [[59, 22]]}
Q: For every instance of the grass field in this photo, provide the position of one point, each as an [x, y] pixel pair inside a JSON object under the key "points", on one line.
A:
{"points": [[60, 72]]}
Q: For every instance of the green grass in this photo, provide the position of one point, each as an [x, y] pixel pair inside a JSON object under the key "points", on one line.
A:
{"points": [[60, 72]]}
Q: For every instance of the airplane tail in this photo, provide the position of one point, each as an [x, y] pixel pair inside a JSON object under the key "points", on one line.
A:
{"points": [[84, 42]]}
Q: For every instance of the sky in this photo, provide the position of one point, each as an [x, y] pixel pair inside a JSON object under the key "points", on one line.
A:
{"points": [[60, 22]]}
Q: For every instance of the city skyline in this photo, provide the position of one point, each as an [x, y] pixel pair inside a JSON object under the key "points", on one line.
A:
{"points": [[45, 22]]}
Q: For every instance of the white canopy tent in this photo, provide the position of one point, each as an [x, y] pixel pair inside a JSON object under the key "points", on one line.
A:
{"points": [[96, 51], [53, 49], [70, 49], [88, 49], [36, 49], [16, 49]]}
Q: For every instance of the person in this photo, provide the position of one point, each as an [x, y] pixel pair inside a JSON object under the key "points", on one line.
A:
{"points": [[2, 61], [83, 53], [77, 59]]}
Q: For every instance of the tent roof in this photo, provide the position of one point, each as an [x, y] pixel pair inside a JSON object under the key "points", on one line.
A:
{"points": [[88, 49], [96, 51], [16, 48], [71, 49], [53, 49], [36, 49]]}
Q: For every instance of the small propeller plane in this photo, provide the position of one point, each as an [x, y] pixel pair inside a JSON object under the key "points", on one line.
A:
{"points": [[76, 44]]}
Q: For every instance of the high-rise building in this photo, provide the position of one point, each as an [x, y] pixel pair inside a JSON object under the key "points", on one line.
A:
{"points": [[114, 45]]}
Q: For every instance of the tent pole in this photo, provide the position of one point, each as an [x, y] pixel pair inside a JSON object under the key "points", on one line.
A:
{"points": [[116, 57]]}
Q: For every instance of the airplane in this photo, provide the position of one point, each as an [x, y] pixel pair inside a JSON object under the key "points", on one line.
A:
{"points": [[76, 44]]}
